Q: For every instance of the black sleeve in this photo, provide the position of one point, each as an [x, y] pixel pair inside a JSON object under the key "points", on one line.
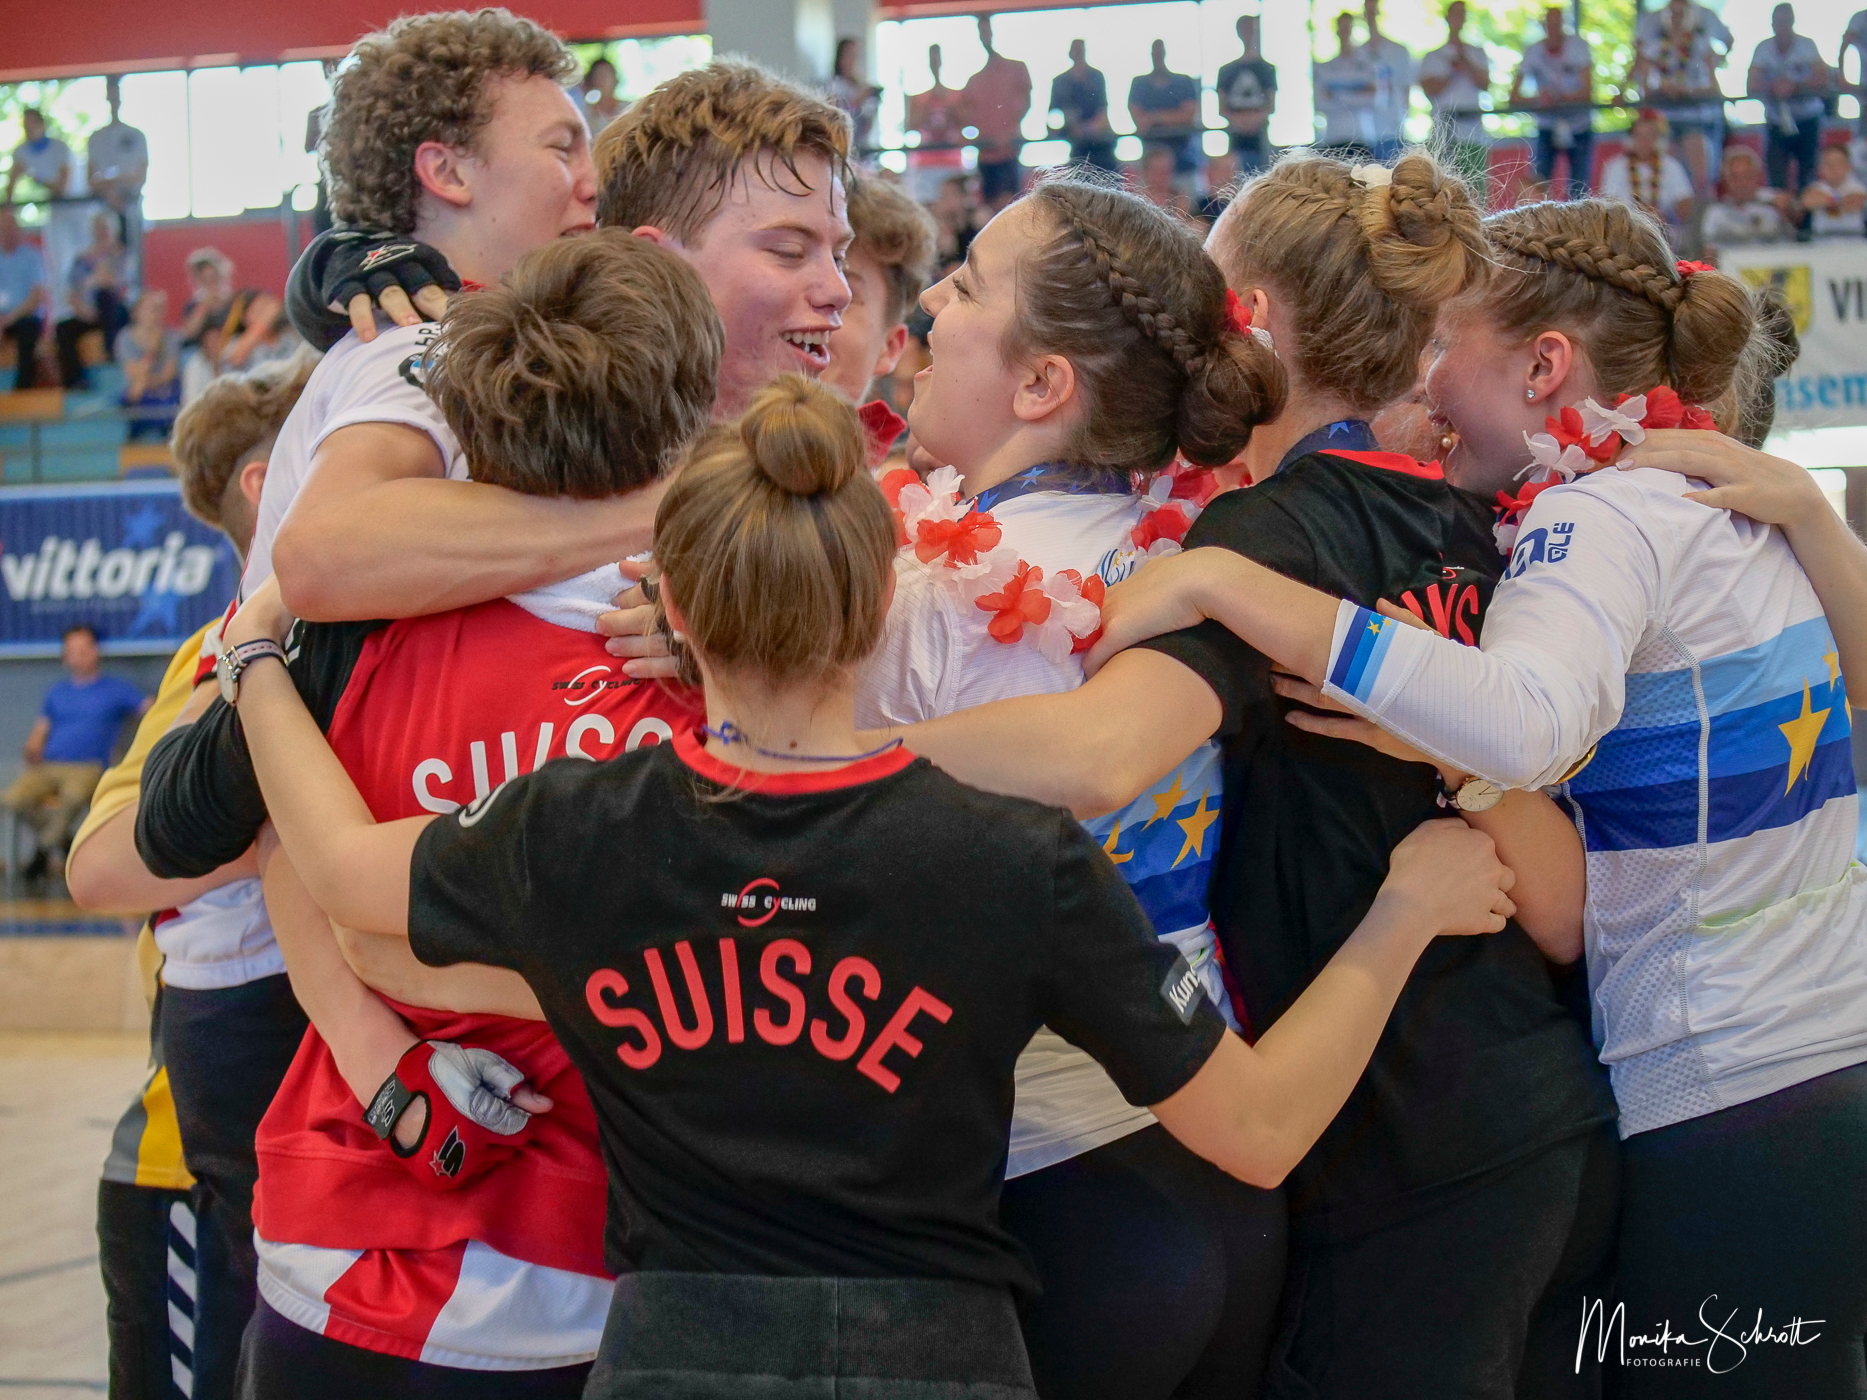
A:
{"points": [[1115, 990], [200, 805], [1252, 523], [471, 882]]}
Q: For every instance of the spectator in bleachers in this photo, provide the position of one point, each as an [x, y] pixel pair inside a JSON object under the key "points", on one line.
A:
{"points": [[150, 354], [1221, 183], [116, 162], [1855, 38], [936, 116], [1080, 95], [95, 295], [256, 332], [1561, 69], [211, 299], [956, 224], [601, 106], [23, 298], [1454, 77], [1747, 212], [853, 94], [1393, 66], [1347, 95], [889, 264], [1650, 177], [1678, 50], [1787, 72], [996, 100], [1247, 89], [46, 161], [1165, 108], [67, 749], [1835, 199], [1160, 180]]}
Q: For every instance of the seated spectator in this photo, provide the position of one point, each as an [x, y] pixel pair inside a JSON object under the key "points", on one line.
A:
{"points": [[1160, 181], [1080, 95], [1247, 89], [1747, 212], [1165, 108], [67, 749], [601, 106], [1348, 95], [936, 116], [254, 333], [1221, 183], [1647, 176], [1835, 198], [1455, 77], [151, 356], [888, 266], [212, 299], [1787, 72], [95, 294], [956, 221], [1561, 69], [23, 298]]}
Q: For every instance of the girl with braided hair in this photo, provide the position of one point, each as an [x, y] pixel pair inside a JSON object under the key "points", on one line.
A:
{"points": [[1669, 668], [1441, 1227]]}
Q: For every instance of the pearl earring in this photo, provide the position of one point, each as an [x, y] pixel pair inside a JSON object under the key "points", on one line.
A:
{"points": [[1530, 395]]}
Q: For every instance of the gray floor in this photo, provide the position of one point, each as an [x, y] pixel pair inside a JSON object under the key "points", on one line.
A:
{"points": [[60, 1096]]}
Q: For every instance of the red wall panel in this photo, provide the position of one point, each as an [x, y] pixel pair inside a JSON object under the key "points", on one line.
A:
{"points": [[256, 245]]}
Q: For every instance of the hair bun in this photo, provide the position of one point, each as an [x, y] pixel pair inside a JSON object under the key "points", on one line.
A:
{"points": [[1425, 234], [803, 436]]}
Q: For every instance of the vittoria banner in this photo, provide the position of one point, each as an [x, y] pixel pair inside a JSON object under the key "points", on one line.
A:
{"points": [[1825, 286], [127, 559]]}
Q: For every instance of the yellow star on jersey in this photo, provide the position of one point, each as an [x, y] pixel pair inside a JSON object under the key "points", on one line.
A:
{"points": [[1164, 802], [1833, 658], [1195, 828], [1109, 845], [1803, 733]]}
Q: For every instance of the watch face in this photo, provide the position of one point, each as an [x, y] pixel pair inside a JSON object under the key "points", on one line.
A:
{"points": [[1479, 795], [224, 676]]}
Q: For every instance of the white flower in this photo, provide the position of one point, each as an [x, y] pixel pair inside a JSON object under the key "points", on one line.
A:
{"points": [[1625, 420], [1160, 549], [1554, 459], [971, 582], [1067, 605], [1371, 176], [1505, 533], [936, 499]]}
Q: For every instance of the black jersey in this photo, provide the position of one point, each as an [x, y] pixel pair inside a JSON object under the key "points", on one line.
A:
{"points": [[797, 1007], [1480, 1062]]}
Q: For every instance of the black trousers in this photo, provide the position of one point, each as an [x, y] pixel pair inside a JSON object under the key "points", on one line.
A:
{"points": [[111, 318], [227, 1050], [149, 1314], [713, 1336], [1160, 1273], [24, 332], [280, 1360], [1744, 1221], [1803, 146], [1478, 1298]]}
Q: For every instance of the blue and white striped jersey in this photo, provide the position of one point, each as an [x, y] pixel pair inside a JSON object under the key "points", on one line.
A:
{"points": [[1668, 669]]}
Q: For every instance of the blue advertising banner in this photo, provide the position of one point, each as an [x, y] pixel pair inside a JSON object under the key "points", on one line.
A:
{"points": [[125, 558]]}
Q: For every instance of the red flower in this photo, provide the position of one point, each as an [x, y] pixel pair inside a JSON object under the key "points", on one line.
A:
{"points": [[1196, 485], [1697, 417], [960, 540], [1665, 409], [892, 484], [1094, 591], [881, 425], [1167, 523], [1508, 505], [1237, 312], [1686, 269], [1022, 600]]}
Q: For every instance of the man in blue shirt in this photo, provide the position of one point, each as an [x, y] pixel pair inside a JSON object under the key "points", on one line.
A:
{"points": [[68, 747], [1165, 108], [23, 296], [1081, 94]]}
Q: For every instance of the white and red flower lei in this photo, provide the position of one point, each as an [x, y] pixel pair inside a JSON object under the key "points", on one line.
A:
{"points": [[1061, 614], [1585, 439]]}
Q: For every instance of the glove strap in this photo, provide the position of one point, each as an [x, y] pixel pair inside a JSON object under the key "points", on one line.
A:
{"points": [[391, 1102]]}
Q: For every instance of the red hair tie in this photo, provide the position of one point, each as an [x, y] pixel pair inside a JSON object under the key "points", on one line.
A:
{"points": [[1686, 268], [1237, 312]]}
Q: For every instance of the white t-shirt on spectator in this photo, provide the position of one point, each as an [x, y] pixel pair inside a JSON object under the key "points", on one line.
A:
{"points": [[1393, 65], [354, 383], [1620, 181], [1729, 224], [116, 148], [1799, 66], [1560, 76], [1457, 104], [1824, 224], [1685, 60], [1348, 98], [44, 161]]}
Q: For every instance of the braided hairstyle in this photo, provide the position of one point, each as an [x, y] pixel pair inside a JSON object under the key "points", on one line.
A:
{"points": [[1362, 267], [1124, 291], [1602, 272]]}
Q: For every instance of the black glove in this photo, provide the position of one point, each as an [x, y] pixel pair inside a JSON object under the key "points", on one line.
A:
{"points": [[341, 263]]}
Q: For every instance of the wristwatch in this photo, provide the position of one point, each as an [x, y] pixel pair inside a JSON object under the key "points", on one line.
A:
{"points": [[231, 664], [1472, 795]]}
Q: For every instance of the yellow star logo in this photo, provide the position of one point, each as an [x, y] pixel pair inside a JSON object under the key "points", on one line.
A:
{"points": [[1374, 626], [1109, 845], [1803, 733], [1195, 828], [1833, 658], [1164, 802]]}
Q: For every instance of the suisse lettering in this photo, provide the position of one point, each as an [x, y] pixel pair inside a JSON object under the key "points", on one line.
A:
{"points": [[784, 966]]}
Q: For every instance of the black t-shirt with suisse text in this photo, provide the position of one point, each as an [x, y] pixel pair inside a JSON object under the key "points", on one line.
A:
{"points": [[797, 1007], [1480, 1062]]}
